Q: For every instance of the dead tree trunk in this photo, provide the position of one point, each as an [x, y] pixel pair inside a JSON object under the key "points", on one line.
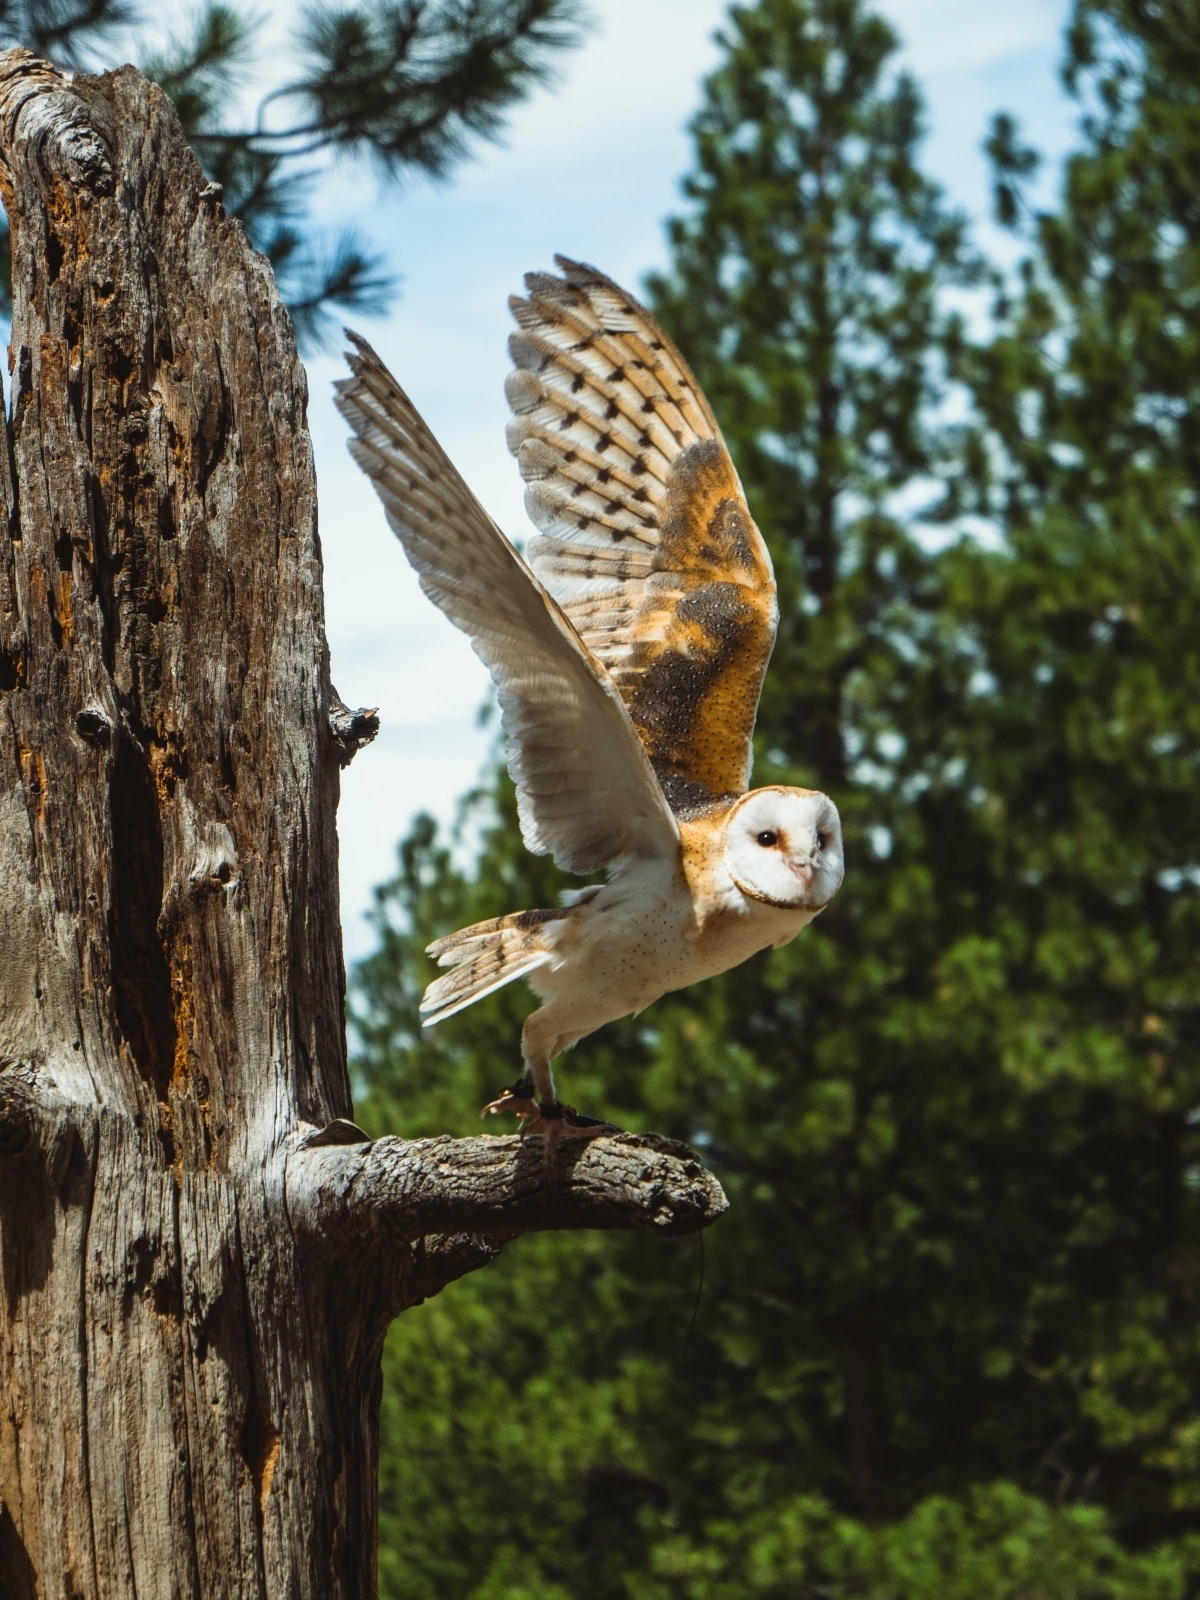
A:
{"points": [[200, 1254]]}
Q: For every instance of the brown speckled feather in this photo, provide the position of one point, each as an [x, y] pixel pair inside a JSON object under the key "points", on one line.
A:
{"points": [[646, 540]]}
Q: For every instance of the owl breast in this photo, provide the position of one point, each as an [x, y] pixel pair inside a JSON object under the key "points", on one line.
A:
{"points": [[641, 938]]}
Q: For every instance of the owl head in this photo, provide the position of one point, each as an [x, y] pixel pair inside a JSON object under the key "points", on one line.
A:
{"points": [[784, 846]]}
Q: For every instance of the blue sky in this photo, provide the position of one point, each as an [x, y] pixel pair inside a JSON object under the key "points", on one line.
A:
{"points": [[590, 169]]}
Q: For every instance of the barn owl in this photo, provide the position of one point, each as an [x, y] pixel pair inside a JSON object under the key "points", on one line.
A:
{"points": [[628, 656]]}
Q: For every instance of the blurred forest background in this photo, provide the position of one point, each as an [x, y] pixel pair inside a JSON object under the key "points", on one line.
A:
{"points": [[948, 1344]]}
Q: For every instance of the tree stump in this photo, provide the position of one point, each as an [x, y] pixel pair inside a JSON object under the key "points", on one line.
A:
{"points": [[200, 1252]]}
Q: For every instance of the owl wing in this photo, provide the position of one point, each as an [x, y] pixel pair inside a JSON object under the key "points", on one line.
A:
{"points": [[585, 790], [646, 541]]}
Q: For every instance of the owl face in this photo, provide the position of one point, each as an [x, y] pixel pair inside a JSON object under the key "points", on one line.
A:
{"points": [[784, 846]]}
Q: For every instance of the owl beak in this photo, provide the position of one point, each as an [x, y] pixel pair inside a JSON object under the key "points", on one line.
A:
{"points": [[804, 871]]}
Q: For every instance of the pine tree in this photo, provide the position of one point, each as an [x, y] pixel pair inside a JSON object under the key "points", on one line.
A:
{"points": [[946, 1343], [1086, 455], [408, 85]]}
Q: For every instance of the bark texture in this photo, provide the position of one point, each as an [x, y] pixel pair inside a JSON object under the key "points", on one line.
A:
{"points": [[199, 1252]]}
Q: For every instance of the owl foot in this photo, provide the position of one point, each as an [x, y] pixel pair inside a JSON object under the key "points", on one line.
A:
{"points": [[569, 1123], [550, 1118], [557, 1122], [518, 1099]]}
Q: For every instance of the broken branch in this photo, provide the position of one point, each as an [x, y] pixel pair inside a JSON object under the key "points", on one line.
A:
{"points": [[408, 1189]]}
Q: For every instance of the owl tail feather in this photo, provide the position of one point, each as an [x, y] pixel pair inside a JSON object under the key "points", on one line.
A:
{"points": [[485, 957]]}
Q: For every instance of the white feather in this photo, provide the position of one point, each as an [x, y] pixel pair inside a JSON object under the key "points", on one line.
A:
{"points": [[586, 792]]}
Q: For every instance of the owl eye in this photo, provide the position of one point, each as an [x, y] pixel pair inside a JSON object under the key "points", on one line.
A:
{"points": [[822, 840], [768, 838]]}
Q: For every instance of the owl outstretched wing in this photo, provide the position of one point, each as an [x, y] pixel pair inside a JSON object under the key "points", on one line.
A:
{"points": [[645, 538], [585, 789]]}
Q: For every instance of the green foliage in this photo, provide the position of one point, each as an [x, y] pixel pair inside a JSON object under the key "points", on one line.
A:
{"points": [[993, 1543], [412, 83], [409, 85], [947, 1343], [65, 30]]}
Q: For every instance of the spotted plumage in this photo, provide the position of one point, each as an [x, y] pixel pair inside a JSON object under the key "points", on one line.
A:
{"points": [[628, 657], [645, 537]]}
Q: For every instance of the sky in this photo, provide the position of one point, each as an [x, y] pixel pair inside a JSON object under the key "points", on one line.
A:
{"points": [[590, 169]]}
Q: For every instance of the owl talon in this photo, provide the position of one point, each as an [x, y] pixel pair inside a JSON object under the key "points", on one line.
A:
{"points": [[572, 1124], [557, 1122], [518, 1099]]}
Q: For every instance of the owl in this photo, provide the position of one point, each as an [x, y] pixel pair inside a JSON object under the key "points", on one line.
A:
{"points": [[628, 655]]}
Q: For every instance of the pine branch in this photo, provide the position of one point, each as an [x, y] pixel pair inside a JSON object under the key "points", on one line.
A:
{"points": [[411, 84], [201, 72], [408, 84], [67, 31], [1013, 164], [345, 274]]}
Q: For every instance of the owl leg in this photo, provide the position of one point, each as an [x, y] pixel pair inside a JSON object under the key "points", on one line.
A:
{"points": [[545, 1113], [535, 1085], [554, 1120]]}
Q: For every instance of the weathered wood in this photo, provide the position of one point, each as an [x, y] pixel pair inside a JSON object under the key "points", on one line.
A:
{"points": [[200, 1254], [401, 1189]]}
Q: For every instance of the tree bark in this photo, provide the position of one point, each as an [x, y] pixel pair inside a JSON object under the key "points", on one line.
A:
{"points": [[200, 1253]]}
